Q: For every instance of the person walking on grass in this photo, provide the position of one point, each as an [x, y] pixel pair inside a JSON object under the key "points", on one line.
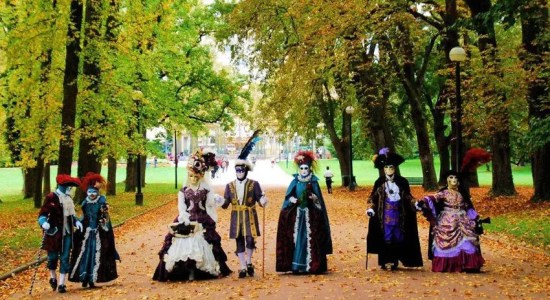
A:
{"points": [[328, 179]]}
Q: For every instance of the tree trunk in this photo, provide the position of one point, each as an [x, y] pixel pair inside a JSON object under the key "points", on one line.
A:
{"points": [[130, 183], [503, 183], [70, 89], [328, 109], [47, 179], [28, 183], [534, 28], [111, 176], [37, 178], [88, 159], [413, 90]]}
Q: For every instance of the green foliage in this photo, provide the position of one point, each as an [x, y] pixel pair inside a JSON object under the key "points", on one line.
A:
{"points": [[538, 135], [155, 67]]}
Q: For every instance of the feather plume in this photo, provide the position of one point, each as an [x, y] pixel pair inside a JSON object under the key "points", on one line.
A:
{"points": [[249, 146], [474, 158]]}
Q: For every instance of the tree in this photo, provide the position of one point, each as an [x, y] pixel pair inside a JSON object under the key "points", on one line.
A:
{"points": [[499, 122]]}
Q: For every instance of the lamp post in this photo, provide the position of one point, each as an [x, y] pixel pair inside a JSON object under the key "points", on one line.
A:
{"points": [[457, 54], [176, 159], [139, 196], [320, 128], [349, 110]]}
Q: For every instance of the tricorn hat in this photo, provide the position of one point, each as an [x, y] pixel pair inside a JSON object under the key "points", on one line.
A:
{"points": [[67, 180], [386, 158]]}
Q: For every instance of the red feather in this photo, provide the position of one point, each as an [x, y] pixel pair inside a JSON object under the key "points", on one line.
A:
{"points": [[64, 179], [474, 158], [91, 179]]}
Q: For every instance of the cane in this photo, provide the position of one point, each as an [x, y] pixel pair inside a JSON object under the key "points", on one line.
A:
{"points": [[263, 243], [33, 278]]}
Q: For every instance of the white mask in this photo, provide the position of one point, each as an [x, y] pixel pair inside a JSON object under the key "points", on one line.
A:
{"points": [[452, 181], [305, 170]]}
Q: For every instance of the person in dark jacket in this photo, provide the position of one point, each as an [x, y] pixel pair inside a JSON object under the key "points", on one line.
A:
{"points": [[57, 217], [393, 231]]}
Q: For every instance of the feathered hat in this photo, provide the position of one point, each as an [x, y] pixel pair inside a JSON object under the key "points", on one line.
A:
{"points": [[386, 158], [67, 180], [474, 158], [306, 158], [92, 179], [248, 147], [197, 163]]}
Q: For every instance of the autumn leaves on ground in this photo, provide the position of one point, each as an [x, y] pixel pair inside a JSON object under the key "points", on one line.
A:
{"points": [[511, 271]]}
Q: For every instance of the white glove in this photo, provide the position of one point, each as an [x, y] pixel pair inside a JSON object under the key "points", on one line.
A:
{"points": [[45, 225], [313, 197], [263, 201], [370, 212], [219, 199], [79, 226], [418, 208], [293, 199]]}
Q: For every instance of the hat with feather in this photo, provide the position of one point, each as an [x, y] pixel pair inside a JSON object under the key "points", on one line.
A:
{"points": [[385, 158], [92, 180], [306, 158], [67, 180], [248, 147], [200, 161]]}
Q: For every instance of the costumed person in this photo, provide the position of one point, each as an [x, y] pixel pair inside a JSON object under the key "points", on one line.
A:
{"points": [[455, 226], [57, 217], [393, 230], [303, 232], [328, 179], [192, 249], [94, 253], [243, 194]]}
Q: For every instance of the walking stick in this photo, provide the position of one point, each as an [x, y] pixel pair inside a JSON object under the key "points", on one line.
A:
{"points": [[33, 278], [263, 243]]}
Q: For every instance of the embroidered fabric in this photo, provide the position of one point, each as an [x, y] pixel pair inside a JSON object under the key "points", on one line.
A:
{"points": [[193, 247]]}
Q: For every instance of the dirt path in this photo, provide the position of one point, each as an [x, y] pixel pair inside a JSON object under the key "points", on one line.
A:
{"points": [[510, 272]]}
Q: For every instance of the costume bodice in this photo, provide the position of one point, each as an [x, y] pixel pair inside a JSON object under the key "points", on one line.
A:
{"points": [[196, 202]]}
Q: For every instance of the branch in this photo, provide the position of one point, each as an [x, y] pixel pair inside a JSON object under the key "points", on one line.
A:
{"points": [[427, 52], [439, 25]]}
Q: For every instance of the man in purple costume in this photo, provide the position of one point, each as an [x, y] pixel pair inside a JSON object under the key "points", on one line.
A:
{"points": [[393, 232], [243, 194]]}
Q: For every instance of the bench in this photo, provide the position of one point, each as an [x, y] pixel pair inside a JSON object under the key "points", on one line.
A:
{"points": [[415, 180]]}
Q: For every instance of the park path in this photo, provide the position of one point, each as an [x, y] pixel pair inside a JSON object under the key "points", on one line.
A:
{"points": [[510, 271]]}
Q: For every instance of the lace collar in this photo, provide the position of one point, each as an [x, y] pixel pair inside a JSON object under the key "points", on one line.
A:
{"points": [[304, 179]]}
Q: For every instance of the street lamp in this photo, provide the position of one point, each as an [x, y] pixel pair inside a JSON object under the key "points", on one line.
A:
{"points": [[320, 129], [349, 111], [138, 95], [457, 54]]}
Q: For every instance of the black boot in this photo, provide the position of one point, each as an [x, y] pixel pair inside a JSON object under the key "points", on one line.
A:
{"points": [[84, 283], [62, 288], [250, 270], [242, 273], [53, 283]]}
